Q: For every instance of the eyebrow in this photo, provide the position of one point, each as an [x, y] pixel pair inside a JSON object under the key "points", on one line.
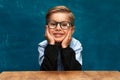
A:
{"points": [[58, 21]]}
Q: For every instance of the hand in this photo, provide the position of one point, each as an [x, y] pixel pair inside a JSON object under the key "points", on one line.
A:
{"points": [[67, 39], [49, 37]]}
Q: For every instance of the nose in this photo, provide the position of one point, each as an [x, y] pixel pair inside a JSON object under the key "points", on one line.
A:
{"points": [[58, 26]]}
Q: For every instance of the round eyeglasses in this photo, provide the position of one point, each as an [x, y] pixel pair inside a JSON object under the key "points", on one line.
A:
{"points": [[63, 24]]}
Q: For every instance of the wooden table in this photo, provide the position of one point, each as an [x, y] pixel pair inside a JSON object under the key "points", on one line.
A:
{"points": [[60, 75]]}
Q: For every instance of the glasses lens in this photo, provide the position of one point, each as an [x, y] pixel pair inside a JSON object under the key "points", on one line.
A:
{"points": [[65, 25], [52, 24]]}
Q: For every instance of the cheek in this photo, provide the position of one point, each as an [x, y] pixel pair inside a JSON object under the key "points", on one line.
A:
{"points": [[51, 32]]}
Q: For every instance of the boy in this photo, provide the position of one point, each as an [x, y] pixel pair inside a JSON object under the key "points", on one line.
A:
{"points": [[60, 51]]}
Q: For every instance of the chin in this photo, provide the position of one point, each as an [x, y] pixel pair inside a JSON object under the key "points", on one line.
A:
{"points": [[58, 40]]}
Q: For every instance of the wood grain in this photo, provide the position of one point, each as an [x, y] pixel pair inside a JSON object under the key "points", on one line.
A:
{"points": [[60, 75]]}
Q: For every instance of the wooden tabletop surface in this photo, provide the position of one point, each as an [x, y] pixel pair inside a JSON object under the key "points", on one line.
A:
{"points": [[60, 75]]}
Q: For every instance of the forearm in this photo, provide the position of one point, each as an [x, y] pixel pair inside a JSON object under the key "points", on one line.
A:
{"points": [[50, 58], [68, 59]]}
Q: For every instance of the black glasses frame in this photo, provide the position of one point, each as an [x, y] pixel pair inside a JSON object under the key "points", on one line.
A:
{"points": [[56, 23]]}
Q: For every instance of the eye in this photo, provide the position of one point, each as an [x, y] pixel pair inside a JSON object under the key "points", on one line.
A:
{"points": [[64, 24]]}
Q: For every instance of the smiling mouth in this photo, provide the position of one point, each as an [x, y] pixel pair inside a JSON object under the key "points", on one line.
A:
{"points": [[58, 35]]}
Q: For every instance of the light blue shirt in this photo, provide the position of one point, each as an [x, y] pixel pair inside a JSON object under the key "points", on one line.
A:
{"points": [[74, 44]]}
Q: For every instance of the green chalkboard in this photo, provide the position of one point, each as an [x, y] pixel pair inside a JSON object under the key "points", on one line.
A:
{"points": [[22, 25]]}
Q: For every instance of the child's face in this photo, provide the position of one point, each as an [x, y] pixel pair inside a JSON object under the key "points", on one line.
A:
{"points": [[58, 33]]}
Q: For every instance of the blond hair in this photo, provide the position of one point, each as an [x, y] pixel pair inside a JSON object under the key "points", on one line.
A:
{"points": [[62, 9]]}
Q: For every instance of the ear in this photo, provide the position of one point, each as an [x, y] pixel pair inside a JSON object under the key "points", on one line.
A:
{"points": [[72, 29]]}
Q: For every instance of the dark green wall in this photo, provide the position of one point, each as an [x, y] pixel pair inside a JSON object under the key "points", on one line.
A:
{"points": [[97, 26]]}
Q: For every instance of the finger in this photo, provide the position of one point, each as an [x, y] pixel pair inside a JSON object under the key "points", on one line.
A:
{"points": [[69, 32], [46, 32]]}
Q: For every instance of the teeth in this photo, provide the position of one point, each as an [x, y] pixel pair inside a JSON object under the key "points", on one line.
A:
{"points": [[58, 34]]}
